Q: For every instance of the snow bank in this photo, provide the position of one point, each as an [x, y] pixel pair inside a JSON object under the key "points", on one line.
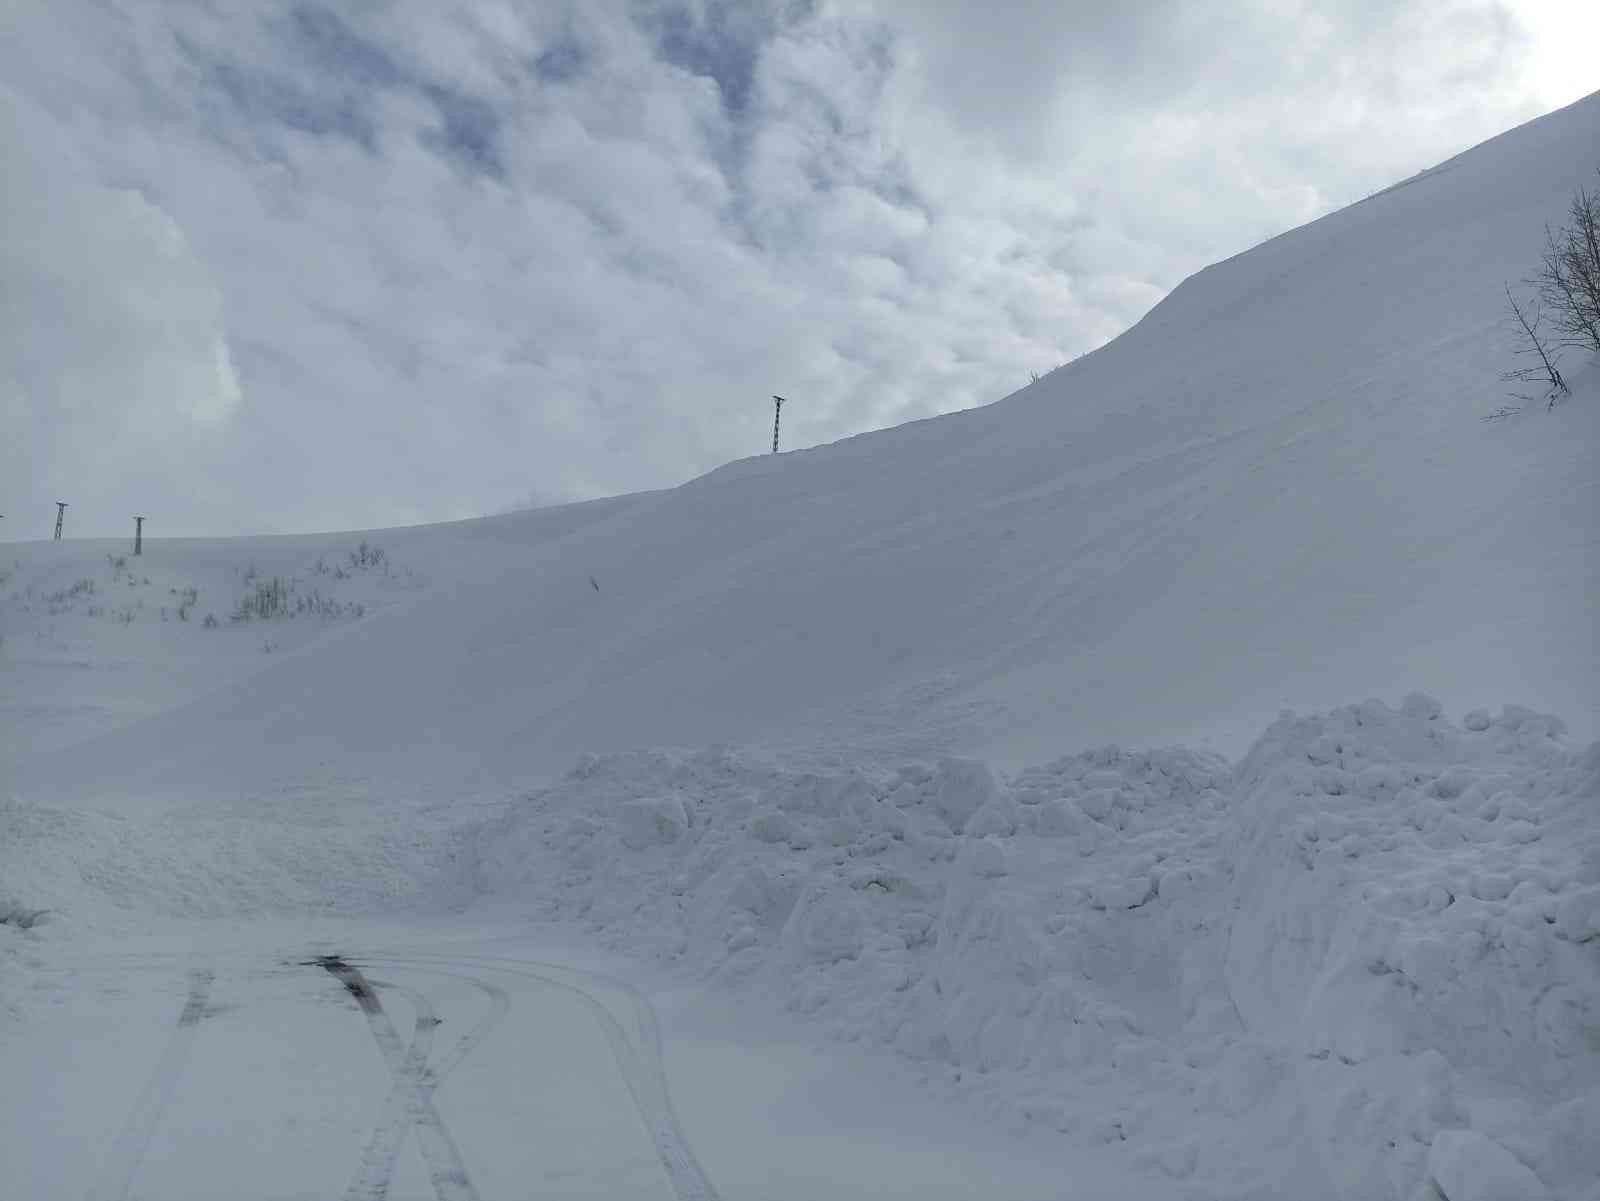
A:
{"points": [[1305, 975], [1413, 923]]}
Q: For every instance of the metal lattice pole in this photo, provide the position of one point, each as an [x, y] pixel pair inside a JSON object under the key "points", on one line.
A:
{"points": [[777, 412], [61, 512], [138, 535]]}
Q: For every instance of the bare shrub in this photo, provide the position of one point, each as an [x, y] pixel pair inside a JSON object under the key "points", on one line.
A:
{"points": [[186, 601], [1541, 371], [1566, 289], [62, 599], [268, 599], [1568, 278], [276, 598]]}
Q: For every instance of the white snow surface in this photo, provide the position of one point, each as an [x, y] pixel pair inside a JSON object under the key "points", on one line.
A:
{"points": [[1284, 977], [981, 789]]}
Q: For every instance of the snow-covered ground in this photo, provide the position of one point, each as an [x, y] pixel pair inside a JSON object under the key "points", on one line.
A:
{"points": [[896, 919], [1135, 970]]}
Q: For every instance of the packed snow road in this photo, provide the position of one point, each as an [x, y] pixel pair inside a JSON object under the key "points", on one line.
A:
{"points": [[399, 1072], [451, 1060]]}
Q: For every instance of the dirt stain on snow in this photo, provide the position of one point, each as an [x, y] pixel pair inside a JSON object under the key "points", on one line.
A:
{"points": [[354, 982]]}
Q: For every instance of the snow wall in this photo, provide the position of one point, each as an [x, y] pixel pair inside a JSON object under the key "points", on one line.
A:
{"points": [[1282, 978]]}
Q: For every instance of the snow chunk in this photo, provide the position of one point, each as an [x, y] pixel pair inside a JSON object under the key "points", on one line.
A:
{"points": [[1097, 804], [995, 818], [651, 822], [1489, 887], [1578, 915], [986, 858], [1128, 893], [960, 788], [1466, 1166], [771, 826], [768, 897], [1421, 705], [1056, 819], [827, 929]]}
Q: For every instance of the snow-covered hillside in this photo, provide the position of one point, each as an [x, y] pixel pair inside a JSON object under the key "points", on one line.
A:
{"points": [[1273, 491], [1354, 956]]}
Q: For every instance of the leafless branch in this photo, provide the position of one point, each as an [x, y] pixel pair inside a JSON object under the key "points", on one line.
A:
{"points": [[1568, 277], [1545, 372]]}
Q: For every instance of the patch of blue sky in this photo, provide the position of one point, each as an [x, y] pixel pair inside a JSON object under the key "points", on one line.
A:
{"points": [[324, 81], [562, 61], [267, 97], [719, 41], [323, 40], [468, 133]]}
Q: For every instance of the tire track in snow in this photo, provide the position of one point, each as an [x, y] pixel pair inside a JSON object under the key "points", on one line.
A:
{"points": [[499, 1005], [638, 1059], [410, 1101], [389, 1135], [372, 1179], [116, 1177]]}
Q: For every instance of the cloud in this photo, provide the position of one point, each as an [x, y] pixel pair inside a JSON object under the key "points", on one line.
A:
{"points": [[116, 365], [356, 265], [1186, 125]]}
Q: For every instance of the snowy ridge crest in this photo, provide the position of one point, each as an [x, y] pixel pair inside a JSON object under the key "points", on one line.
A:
{"points": [[1378, 922]]}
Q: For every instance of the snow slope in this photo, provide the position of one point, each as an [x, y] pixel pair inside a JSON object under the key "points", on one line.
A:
{"points": [[1274, 490], [94, 638]]}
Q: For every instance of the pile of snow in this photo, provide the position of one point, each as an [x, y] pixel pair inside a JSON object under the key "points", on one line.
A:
{"points": [[1365, 957]]}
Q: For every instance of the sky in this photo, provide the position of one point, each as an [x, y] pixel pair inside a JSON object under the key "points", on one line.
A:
{"points": [[281, 267]]}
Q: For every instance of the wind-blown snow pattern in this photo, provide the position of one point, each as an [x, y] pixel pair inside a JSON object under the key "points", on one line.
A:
{"points": [[987, 788]]}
